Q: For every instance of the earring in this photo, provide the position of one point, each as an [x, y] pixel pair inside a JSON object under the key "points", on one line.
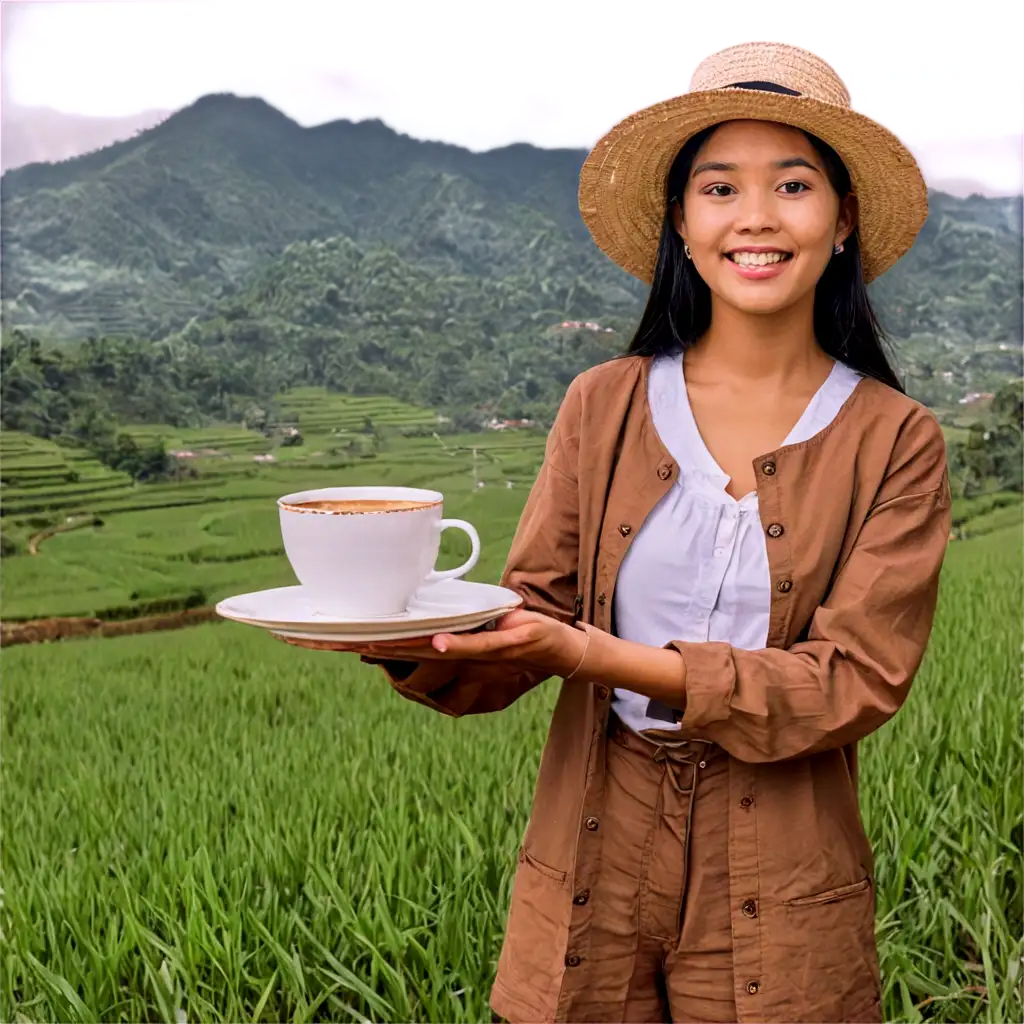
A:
{"points": [[837, 249], [686, 249]]}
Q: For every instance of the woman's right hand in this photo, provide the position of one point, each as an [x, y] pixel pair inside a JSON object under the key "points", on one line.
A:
{"points": [[342, 646], [413, 650]]}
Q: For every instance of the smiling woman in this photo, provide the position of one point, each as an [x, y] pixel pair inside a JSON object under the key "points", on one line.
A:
{"points": [[731, 557], [761, 201], [766, 214]]}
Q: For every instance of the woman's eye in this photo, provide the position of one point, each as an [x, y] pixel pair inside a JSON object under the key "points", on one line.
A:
{"points": [[793, 188], [718, 190]]}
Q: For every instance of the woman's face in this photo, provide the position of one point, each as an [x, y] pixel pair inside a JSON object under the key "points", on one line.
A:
{"points": [[760, 216]]}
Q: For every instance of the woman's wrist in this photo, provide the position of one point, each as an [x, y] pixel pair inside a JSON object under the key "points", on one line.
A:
{"points": [[581, 661], [655, 672]]}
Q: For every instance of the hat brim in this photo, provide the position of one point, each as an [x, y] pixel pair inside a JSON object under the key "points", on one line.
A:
{"points": [[622, 183]]}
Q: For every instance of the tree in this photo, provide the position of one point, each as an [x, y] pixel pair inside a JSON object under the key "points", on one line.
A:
{"points": [[992, 456]]}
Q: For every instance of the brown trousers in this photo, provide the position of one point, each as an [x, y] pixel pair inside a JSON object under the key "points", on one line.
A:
{"points": [[661, 939]]}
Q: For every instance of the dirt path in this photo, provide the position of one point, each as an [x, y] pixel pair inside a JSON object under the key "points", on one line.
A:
{"points": [[72, 523], [39, 631]]}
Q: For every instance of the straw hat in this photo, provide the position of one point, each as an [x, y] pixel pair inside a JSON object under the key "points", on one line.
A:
{"points": [[622, 184]]}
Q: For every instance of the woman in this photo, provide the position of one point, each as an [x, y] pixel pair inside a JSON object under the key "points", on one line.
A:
{"points": [[731, 555]]}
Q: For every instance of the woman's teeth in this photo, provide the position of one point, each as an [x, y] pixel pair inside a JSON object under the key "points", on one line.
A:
{"points": [[757, 259]]}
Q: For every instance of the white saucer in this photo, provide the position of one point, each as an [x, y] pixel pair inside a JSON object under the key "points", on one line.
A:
{"points": [[451, 606]]}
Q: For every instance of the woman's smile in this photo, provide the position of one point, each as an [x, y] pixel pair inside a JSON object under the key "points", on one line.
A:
{"points": [[758, 264]]}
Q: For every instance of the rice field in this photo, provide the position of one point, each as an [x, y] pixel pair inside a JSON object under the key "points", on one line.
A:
{"points": [[209, 825], [215, 530]]}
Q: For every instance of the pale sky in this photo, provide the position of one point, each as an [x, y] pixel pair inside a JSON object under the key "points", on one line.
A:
{"points": [[484, 73]]}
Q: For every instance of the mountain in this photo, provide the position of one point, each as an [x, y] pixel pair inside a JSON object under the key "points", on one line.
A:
{"points": [[143, 235], [352, 255], [148, 233], [42, 135]]}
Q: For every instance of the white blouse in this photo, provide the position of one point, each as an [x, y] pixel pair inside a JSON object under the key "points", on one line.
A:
{"points": [[697, 570]]}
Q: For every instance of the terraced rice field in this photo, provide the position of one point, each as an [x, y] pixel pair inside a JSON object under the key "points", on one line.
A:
{"points": [[215, 530], [37, 474]]}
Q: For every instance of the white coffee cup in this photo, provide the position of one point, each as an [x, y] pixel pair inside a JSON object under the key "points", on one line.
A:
{"points": [[363, 552]]}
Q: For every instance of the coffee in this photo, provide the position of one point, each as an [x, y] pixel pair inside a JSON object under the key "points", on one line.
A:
{"points": [[363, 552], [358, 506]]}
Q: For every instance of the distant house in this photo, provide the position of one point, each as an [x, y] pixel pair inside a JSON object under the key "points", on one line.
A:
{"points": [[496, 424], [976, 396], [185, 454], [264, 458], [585, 325]]}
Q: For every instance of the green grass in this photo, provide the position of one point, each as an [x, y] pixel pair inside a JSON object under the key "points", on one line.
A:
{"points": [[212, 822]]}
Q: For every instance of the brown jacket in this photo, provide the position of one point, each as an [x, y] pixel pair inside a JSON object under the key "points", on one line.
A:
{"points": [[857, 520]]}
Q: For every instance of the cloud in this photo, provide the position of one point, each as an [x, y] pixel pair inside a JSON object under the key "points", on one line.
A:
{"points": [[551, 72], [12, 17]]}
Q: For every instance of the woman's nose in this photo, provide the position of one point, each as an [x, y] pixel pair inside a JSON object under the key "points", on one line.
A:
{"points": [[755, 212]]}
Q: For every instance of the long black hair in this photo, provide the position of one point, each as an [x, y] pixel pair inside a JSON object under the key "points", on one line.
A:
{"points": [[678, 310]]}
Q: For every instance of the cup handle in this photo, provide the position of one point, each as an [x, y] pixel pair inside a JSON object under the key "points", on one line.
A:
{"points": [[451, 574]]}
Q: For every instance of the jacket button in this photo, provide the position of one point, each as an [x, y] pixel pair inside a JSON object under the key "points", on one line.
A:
{"points": [[664, 472], [601, 598], [580, 899], [749, 908], [753, 987], [625, 529], [572, 960], [603, 693], [768, 468], [785, 586], [775, 530], [591, 824], [746, 802]]}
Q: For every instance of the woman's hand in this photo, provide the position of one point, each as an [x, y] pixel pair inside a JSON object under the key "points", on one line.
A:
{"points": [[533, 642], [527, 639]]}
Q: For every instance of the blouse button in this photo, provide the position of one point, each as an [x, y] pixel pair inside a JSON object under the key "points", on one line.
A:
{"points": [[768, 468], [625, 529], [753, 987], [775, 530], [603, 693], [785, 586], [746, 801], [601, 598], [580, 899], [749, 908], [591, 824], [664, 472], [572, 960]]}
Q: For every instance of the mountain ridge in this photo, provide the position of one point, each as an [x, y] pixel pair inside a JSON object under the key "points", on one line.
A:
{"points": [[174, 233]]}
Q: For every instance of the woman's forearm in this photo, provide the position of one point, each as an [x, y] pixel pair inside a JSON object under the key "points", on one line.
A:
{"points": [[652, 671]]}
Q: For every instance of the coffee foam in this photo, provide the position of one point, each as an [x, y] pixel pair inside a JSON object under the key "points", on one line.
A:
{"points": [[357, 506]]}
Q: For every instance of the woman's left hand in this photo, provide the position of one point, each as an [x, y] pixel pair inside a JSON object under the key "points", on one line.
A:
{"points": [[528, 639]]}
